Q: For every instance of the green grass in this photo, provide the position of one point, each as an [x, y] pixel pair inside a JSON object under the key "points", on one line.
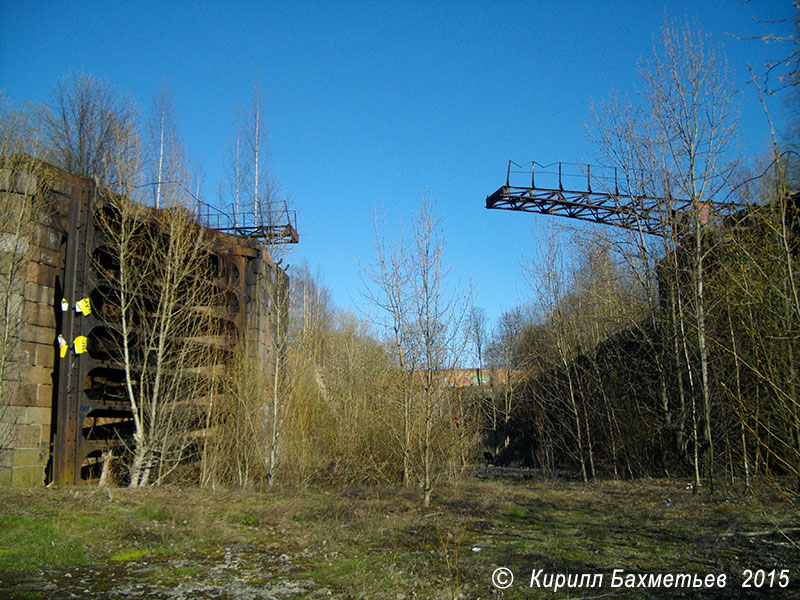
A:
{"points": [[128, 555], [29, 541], [380, 543], [158, 514]]}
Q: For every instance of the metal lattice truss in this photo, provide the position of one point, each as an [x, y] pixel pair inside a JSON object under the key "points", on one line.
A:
{"points": [[276, 226], [594, 194]]}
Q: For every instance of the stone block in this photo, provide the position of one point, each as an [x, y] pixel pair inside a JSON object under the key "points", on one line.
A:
{"points": [[15, 304], [6, 458], [19, 181], [16, 244], [7, 432], [41, 274], [44, 395], [5, 476], [27, 436], [37, 415], [27, 395], [38, 335], [43, 294], [46, 356], [28, 476], [37, 375], [30, 457], [52, 258], [28, 351], [48, 238], [42, 315], [38, 355], [12, 414]]}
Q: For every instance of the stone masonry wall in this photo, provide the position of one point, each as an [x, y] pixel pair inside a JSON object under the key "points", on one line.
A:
{"points": [[34, 223], [31, 252]]}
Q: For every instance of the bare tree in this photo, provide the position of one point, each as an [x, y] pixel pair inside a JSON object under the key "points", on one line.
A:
{"points": [[159, 305], [682, 141], [549, 282], [164, 144], [387, 290], [86, 124], [425, 318], [477, 329]]}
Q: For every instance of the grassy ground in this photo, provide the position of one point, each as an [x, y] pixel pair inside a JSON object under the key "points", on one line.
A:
{"points": [[379, 543]]}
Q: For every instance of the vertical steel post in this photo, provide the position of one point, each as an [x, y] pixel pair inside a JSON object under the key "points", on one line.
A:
{"points": [[65, 470]]}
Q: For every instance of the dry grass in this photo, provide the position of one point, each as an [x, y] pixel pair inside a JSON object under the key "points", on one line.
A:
{"points": [[373, 542]]}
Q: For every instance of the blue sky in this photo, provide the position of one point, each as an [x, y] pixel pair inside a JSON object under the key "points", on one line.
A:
{"points": [[370, 103]]}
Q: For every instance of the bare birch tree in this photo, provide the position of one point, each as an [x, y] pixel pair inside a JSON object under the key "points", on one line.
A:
{"points": [[426, 321], [164, 145], [159, 304], [683, 140]]}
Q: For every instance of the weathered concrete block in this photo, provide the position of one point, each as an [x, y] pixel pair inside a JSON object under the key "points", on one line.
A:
{"points": [[28, 476], [5, 476], [6, 458]]}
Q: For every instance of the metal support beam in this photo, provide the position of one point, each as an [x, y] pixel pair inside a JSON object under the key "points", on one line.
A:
{"points": [[71, 369], [569, 190]]}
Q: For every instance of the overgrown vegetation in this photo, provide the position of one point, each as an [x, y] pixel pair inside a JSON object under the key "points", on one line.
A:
{"points": [[636, 356], [650, 356], [377, 542]]}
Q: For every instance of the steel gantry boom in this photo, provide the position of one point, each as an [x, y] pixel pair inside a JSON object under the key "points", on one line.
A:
{"points": [[594, 194]]}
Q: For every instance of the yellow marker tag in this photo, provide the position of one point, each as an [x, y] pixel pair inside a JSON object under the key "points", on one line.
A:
{"points": [[62, 346], [80, 344], [85, 306], [64, 305]]}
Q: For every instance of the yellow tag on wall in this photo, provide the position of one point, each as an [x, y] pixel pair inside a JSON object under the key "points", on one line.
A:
{"points": [[62, 346], [85, 306], [80, 344]]}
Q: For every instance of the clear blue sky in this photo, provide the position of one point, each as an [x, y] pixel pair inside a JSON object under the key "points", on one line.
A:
{"points": [[369, 103]]}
